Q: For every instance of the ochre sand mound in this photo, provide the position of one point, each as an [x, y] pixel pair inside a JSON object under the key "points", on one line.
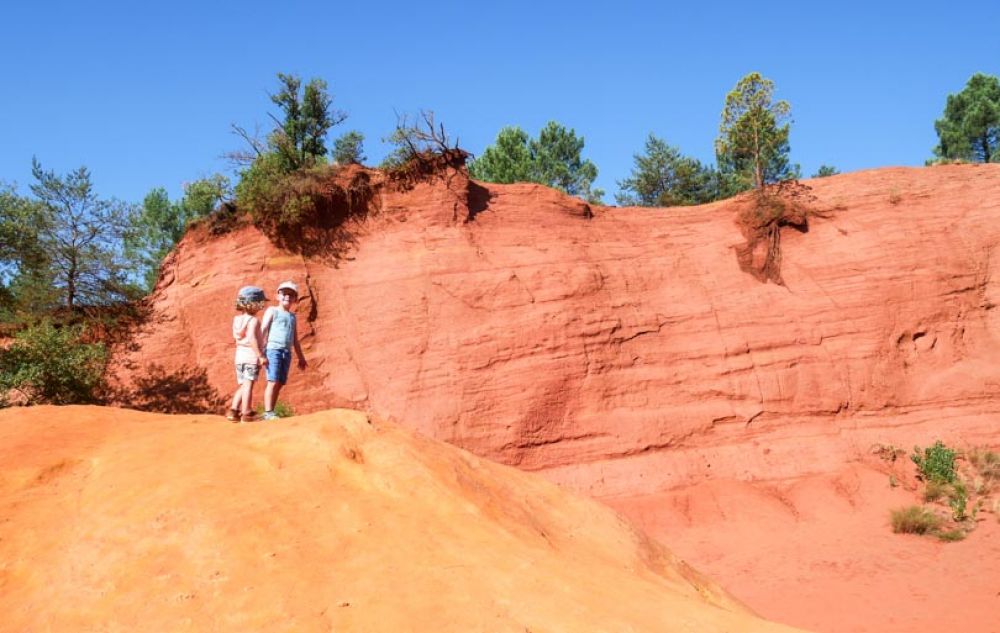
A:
{"points": [[626, 355], [115, 520]]}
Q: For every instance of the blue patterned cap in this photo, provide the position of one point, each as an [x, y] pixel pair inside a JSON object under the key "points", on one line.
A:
{"points": [[251, 294]]}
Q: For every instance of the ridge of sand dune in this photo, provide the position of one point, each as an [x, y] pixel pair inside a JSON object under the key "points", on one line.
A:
{"points": [[115, 520]]}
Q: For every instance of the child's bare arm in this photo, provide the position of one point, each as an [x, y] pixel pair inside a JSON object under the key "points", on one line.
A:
{"points": [[265, 323], [254, 326]]}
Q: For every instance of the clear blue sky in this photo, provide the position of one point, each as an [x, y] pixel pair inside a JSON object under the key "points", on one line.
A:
{"points": [[144, 93]]}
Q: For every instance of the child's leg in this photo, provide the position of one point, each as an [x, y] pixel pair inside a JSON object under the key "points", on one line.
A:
{"points": [[271, 394], [246, 400]]}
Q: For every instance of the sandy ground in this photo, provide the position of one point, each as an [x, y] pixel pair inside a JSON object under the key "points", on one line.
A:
{"points": [[819, 553], [115, 520]]}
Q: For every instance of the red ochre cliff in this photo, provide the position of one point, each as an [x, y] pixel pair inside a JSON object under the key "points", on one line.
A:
{"points": [[623, 353]]}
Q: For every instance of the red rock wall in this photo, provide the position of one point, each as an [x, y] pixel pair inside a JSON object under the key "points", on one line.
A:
{"points": [[529, 333]]}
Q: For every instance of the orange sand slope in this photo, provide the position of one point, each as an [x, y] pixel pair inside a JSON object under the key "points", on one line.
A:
{"points": [[115, 520]]}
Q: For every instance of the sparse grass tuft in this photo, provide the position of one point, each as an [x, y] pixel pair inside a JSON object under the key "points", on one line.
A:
{"points": [[950, 536], [935, 490], [281, 410], [986, 464], [915, 520]]}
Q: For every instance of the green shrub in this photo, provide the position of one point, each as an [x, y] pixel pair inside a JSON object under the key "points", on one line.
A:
{"points": [[281, 410], [274, 197], [935, 463], [52, 365], [915, 520], [958, 498]]}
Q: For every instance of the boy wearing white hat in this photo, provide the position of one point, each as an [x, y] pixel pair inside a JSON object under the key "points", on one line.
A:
{"points": [[281, 334]]}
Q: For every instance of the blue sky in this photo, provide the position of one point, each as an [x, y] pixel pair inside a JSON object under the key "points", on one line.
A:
{"points": [[144, 93]]}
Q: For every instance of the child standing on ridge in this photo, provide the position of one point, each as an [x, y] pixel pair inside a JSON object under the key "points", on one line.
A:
{"points": [[281, 334], [249, 355]]}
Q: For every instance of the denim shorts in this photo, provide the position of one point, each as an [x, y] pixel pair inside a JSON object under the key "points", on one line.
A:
{"points": [[246, 371], [278, 362]]}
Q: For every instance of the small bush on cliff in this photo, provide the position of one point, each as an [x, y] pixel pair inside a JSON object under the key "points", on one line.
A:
{"points": [[935, 463], [52, 365], [281, 409], [987, 469], [276, 198], [915, 520], [423, 150], [286, 178]]}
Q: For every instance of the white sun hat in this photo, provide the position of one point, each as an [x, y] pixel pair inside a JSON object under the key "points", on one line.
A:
{"points": [[288, 285]]}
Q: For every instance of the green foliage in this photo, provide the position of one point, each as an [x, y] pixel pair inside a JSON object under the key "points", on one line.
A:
{"points": [[752, 147], [970, 127], [83, 238], [508, 160], [958, 499], [915, 520], [936, 463], [159, 224], [276, 199], [52, 365], [553, 159], [825, 170], [300, 138], [203, 196], [281, 409], [662, 177], [280, 187], [422, 148], [348, 148], [558, 162], [26, 283]]}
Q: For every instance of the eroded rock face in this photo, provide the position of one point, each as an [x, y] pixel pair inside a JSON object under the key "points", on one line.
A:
{"points": [[522, 329], [117, 520], [627, 355]]}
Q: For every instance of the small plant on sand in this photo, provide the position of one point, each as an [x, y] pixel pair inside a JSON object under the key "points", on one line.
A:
{"points": [[986, 466], [934, 491], [950, 536], [887, 452], [959, 480], [936, 463], [281, 410], [915, 520]]}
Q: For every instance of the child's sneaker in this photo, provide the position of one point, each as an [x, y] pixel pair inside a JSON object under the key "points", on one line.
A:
{"points": [[269, 415]]}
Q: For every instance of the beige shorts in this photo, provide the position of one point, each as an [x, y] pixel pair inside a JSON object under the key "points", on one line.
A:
{"points": [[246, 371]]}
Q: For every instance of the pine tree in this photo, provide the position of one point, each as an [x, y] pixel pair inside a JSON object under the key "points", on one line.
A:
{"points": [[970, 127], [752, 147]]}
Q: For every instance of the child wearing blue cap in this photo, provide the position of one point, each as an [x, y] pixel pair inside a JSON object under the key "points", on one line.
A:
{"points": [[249, 351]]}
